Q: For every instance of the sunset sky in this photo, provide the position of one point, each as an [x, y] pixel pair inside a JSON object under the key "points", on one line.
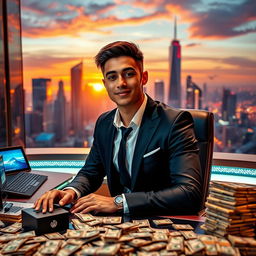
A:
{"points": [[218, 38]]}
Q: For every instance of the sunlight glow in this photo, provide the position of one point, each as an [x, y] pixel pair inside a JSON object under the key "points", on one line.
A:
{"points": [[97, 87]]}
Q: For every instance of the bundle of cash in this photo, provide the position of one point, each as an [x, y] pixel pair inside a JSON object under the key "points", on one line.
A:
{"points": [[231, 209], [246, 245], [128, 238]]}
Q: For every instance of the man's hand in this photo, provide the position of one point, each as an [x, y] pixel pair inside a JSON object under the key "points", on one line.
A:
{"points": [[94, 202], [47, 200]]}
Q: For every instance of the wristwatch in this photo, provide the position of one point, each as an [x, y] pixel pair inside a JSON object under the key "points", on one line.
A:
{"points": [[118, 200]]}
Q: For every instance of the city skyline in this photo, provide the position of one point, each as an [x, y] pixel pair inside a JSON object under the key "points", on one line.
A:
{"points": [[217, 38]]}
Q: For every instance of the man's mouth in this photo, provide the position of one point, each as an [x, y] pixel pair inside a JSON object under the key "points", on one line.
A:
{"points": [[123, 93]]}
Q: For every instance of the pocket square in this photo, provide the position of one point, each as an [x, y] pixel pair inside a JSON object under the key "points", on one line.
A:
{"points": [[151, 152]]}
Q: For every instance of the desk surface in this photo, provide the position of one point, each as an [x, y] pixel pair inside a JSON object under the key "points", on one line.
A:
{"points": [[54, 180]]}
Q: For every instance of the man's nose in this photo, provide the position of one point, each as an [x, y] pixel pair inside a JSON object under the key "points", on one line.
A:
{"points": [[122, 81]]}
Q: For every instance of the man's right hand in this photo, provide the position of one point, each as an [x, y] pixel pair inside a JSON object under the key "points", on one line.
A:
{"points": [[47, 200]]}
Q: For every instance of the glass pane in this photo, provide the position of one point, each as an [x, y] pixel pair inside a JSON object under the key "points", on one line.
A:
{"points": [[190, 60], [15, 69], [3, 139]]}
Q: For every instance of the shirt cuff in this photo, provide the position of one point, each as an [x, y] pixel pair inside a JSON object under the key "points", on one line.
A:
{"points": [[78, 194], [125, 205]]}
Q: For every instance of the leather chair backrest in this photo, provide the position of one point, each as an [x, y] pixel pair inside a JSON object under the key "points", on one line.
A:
{"points": [[204, 131]]}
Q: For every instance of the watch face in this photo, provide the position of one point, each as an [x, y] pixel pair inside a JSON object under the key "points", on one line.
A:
{"points": [[119, 199]]}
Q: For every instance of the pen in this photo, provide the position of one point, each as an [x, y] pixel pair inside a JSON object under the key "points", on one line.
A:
{"points": [[7, 207]]}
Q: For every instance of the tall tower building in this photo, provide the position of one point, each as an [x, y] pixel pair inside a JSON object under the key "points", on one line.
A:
{"points": [[60, 123], [174, 98], [159, 90], [205, 96], [193, 95], [40, 90], [228, 105], [39, 93], [76, 99]]}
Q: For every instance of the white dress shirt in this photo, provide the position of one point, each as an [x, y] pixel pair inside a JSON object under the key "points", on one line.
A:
{"points": [[130, 142]]}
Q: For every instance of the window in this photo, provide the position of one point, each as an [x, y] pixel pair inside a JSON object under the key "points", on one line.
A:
{"points": [[11, 80], [194, 61]]}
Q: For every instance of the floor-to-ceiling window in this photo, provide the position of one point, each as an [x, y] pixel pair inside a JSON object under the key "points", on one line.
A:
{"points": [[205, 55], [12, 131], [3, 135]]}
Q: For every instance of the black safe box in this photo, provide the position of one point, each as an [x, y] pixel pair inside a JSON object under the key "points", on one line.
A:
{"points": [[42, 223]]}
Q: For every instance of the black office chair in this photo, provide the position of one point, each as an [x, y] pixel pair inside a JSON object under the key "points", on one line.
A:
{"points": [[204, 131]]}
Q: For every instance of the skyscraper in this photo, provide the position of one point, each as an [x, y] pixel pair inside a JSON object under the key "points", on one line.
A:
{"points": [[60, 123], [39, 93], [205, 96], [40, 89], [193, 95], [174, 98], [228, 105], [76, 99], [159, 90]]}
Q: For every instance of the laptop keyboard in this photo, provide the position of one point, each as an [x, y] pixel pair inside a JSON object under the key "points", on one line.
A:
{"points": [[13, 209], [23, 181]]}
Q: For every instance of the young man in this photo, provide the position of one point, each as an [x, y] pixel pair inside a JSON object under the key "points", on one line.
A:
{"points": [[146, 149]]}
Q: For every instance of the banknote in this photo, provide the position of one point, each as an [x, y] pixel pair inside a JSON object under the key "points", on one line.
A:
{"points": [[108, 250], [142, 223], [85, 217], [27, 249], [141, 235], [139, 242], [189, 234], [112, 235], [13, 246], [182, 227], [37, 239], [112, 220], [177, 247], [162, 222], [51, 247], [13, 228], [160, 237], [154, 247], [195, 245], [68, 249], [54, 236]]}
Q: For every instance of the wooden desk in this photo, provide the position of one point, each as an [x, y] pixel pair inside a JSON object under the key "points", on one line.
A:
{"points": [[54, 179]]}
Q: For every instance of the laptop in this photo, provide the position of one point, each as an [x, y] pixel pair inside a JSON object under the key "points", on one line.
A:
{"points": [[9, 210], [18, 180]]}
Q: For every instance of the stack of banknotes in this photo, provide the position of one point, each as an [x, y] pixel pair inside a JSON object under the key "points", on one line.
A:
{"points": [[231, 209], [109, 236]]}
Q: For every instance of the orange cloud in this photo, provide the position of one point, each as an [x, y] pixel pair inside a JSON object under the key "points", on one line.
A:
{"points": [[84, 23]]}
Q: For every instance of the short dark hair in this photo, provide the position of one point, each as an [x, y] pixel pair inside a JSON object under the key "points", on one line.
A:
{"points": [[118, 49]]}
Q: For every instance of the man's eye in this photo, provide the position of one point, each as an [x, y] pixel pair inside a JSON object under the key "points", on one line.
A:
{"points": [[111, 77], [130, 74]]}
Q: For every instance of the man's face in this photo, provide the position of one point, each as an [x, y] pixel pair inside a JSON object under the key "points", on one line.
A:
{"points": [[124, 81]]}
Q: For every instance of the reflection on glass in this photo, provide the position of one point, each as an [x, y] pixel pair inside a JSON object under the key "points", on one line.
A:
{"points": [[15, 69], [3, 139]]}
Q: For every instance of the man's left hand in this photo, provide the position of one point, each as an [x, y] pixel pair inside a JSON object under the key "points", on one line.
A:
{"points": [[96, 203]]}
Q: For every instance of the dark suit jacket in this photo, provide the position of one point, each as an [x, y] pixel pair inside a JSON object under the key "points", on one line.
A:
{"points": [[166, 182]]}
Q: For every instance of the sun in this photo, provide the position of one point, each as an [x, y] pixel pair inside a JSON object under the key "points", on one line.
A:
{"points": [[97, 87]]}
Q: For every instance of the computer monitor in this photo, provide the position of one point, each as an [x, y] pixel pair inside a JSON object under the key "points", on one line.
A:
{"points": [[2, 179]]}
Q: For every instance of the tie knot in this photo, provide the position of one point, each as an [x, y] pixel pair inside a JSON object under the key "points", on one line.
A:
{"points": [[125, 132]]}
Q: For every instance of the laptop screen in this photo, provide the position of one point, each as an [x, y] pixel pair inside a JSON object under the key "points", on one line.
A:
{"points": [[14, 159], [2, 172]]}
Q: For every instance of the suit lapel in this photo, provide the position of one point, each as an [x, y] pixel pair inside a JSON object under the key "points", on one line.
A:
{"points": [[110, 135], [148, 127]]}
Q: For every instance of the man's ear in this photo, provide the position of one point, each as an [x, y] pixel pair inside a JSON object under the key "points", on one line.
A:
{"points": [[144, 78]]}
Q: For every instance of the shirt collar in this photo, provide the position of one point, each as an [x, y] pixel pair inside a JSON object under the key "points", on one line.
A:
{"points": [[137, 118]]}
